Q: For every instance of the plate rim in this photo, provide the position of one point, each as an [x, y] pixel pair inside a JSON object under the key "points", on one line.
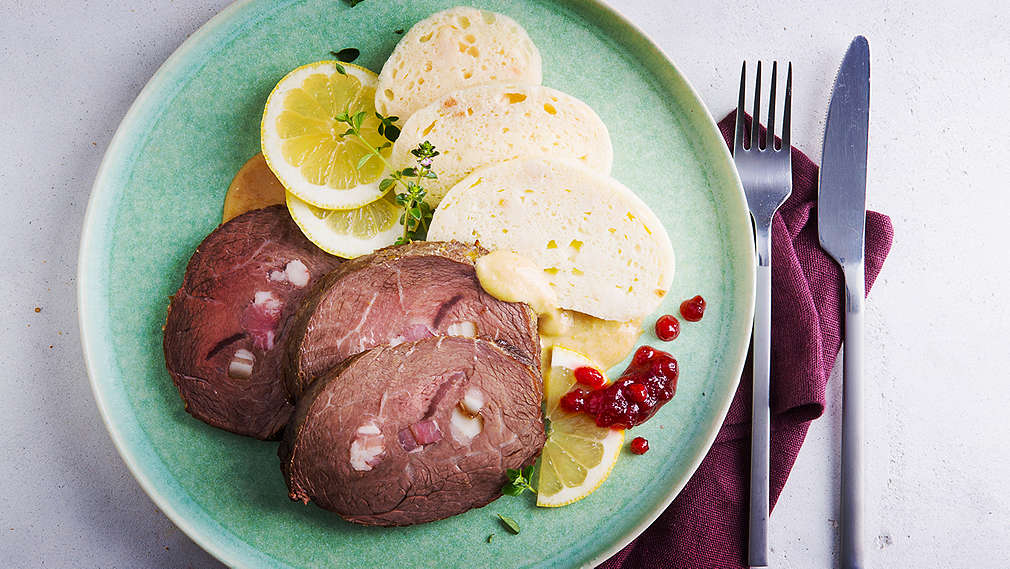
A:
{"points": [[236, 557], [741, 355], [232, 557]]}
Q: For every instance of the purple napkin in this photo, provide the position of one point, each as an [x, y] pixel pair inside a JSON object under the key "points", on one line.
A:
{"points": [[706, 526]]}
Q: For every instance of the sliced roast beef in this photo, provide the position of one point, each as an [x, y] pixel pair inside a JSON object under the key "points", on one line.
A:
{"points": [[224, 337], [414, 432], [401, 294]]}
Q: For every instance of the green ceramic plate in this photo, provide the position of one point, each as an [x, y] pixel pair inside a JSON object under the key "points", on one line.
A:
{"points": [[159, 192]]}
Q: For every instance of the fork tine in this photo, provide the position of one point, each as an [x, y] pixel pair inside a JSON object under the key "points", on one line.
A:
{"points": [[755, 119], [770, 140], [739, 128], [786, 108]]}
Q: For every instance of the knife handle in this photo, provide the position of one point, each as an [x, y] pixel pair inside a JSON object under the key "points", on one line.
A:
{"points": [[852, 420], [757, 535]]}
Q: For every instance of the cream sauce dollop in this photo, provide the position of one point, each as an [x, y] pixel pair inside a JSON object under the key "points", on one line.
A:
{"points": [[511, 277]]}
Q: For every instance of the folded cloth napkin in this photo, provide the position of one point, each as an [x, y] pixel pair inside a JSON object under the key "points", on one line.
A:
{"points": [[706, 526]]}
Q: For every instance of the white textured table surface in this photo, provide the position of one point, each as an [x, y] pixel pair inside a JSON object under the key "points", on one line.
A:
{"points": [[937, 322]]}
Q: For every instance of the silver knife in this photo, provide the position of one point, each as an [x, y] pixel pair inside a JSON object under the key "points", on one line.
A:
{"points": [[841, 221]]}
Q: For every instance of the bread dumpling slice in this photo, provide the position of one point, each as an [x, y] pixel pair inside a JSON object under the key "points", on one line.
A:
{"points": [[454, 49], [483, 125], [604, 251]]}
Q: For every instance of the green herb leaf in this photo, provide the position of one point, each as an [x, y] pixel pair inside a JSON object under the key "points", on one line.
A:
{"points": [[347, 55], [527, 473], [386, 120], [358, 119], [510, 489], [518, 481], [415, 212], [340, 69], [364, 160], [342, 117], [509, 523], [386, 183], [386, 127], [424, 150]]}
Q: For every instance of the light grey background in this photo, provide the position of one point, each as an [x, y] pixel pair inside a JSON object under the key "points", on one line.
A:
{"points": [[937, 322]]}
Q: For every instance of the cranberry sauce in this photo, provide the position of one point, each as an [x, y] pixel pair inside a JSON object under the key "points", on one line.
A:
{"points": [[648, 383], [667, 327], [639, 445], [693, 309], [590, 377]]}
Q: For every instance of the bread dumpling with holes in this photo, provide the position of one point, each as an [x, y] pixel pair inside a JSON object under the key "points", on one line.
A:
{"points": [[483, 125], [451, 50], [605, 253]]}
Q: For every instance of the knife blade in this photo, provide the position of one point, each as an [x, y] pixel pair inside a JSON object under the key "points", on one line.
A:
{"points": [[841, 199], [841, 225]]}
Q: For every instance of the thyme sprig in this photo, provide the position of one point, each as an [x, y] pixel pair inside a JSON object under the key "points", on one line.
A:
{"points": [[416, 216]]}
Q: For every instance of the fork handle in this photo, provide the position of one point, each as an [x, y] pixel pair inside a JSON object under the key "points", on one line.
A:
{"points": [[852, 420], [757, 542]]}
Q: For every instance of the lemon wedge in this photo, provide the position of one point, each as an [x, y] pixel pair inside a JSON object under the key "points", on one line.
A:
{"points": [[348, 233], [302, 141], [578, 456]]}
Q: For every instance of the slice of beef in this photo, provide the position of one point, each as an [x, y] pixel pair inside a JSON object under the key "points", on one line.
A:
{"points": [[401, 294], [225, 332], [413, 433]]}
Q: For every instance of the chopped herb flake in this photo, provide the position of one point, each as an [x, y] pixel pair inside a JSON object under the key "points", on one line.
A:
{"points": [[347, 55], [509, 523]]}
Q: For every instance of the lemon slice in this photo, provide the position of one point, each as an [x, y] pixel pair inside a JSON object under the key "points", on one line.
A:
{"points": [[348, 233], [301, 138], [578, 456]]}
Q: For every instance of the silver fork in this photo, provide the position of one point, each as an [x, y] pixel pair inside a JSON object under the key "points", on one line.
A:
{"points": [[767, 177]]}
